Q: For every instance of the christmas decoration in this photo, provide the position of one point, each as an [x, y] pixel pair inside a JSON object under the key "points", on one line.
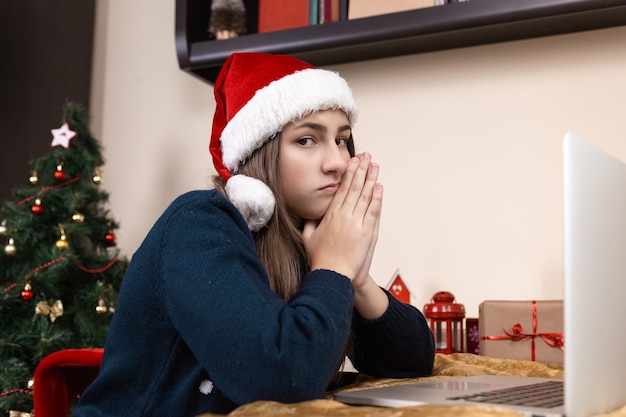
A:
{"points": [[228, 19], [27, 292], [101, 308], [10, 249], [62, 244], [53, 311], [398, 288], [59, 175], [97, 178], [33, 179], [56, 265], [109, 238], [37, 209], [62, 136], [446, 317], [78, 217]]}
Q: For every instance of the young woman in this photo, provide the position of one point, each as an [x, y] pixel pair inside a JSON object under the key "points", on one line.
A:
{"points": [[257, 289]]}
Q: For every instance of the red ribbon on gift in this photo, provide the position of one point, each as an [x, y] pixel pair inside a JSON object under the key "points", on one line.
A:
{"points": [[552, 339]]}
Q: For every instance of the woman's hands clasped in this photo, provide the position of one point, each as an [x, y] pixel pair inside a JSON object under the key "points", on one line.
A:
{"points": [[344, 240]]}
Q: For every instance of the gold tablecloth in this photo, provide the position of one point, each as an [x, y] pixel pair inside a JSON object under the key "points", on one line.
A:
{"points": [[446, 366]]}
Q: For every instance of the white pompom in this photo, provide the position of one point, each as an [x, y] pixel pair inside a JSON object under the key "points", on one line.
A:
{"points": [[253, 198]]}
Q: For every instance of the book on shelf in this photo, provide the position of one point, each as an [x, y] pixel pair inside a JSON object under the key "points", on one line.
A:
{"points": [[365, 8], [288, 14], [324, 11], [283, 14], [328, 11], [314, 12]]}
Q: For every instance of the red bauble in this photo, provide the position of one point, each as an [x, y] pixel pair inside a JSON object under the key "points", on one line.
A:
{"points": [[37, 209], [109, 238], [60, 175], [27, 295]]}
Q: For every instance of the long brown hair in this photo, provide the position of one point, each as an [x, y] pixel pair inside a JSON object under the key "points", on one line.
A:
{"points": [[279, 244]]}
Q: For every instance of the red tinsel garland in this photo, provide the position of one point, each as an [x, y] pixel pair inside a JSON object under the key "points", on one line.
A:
{"points": [[48, 188], [16, 391], [63, 258]]}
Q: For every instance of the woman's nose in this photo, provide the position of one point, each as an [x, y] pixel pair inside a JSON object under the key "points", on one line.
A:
{"points": [[335, 159]]}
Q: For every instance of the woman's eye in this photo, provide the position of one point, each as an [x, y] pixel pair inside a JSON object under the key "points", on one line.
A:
{"points": [[341, 141], [305, 141]]}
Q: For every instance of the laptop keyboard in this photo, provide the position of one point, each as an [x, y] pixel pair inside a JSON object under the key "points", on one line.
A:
{"points": [[543, 394]]}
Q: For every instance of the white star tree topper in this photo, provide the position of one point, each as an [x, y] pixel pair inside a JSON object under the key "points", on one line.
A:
{"points": [[62, 136]]}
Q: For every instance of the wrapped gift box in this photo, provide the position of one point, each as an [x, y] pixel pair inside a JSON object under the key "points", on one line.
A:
{"points": [[523, 330], [472, 339]]}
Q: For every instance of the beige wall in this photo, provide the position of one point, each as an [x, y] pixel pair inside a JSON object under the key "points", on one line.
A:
{"points": [[469, 142]]}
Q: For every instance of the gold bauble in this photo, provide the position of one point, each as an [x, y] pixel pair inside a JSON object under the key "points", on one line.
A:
{"points": [[3, 228], [10, 249], [97, 178], [78, 217], [101, 308], [15, 413], [62, 243], [33, 178]]}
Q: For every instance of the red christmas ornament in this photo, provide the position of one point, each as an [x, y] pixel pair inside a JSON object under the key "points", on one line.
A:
{"points": [[109, 238], [59, 174], [27, 293], [37, 209]]}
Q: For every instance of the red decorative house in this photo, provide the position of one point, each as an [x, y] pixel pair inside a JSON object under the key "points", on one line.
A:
{"points": [[398, 288]]}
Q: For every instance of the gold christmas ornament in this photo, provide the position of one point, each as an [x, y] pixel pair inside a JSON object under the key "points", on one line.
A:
{"points": [[62, 243], [101, 308], [54, 311], [14, 413], [78, 217], [97, 178], [3, 228], [10, 249], [33, 179]]}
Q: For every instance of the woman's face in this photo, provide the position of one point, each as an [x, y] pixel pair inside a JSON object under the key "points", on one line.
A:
{"points": [[313, 157]]}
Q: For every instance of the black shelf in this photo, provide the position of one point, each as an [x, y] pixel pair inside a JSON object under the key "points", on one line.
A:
{"points": [[475, 22]]}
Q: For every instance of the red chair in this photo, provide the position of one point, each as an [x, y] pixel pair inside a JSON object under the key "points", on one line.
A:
{"points": [[61, 377]]}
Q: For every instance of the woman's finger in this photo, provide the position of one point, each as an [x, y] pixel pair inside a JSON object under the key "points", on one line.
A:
{"points": [[365, 197], [344, 184], [354, 192]]}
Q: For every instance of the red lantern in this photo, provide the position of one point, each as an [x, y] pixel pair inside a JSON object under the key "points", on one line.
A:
{"points": [[446, 322]]}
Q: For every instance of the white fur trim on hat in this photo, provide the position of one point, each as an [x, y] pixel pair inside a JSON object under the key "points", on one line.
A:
{"points": [[282, 101], [253, 198]]}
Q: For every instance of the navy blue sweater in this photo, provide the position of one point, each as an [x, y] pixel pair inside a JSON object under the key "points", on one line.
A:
{"points": [[197, 328]]}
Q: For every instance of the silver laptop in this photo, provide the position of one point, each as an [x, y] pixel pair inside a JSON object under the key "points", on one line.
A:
{"points": [[594, 306]]}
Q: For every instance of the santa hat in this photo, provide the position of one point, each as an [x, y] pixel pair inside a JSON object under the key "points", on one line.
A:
{"points": [[256, 95]]}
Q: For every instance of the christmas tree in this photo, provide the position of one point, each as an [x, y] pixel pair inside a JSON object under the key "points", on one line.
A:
{"points": [[59, 268]]}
